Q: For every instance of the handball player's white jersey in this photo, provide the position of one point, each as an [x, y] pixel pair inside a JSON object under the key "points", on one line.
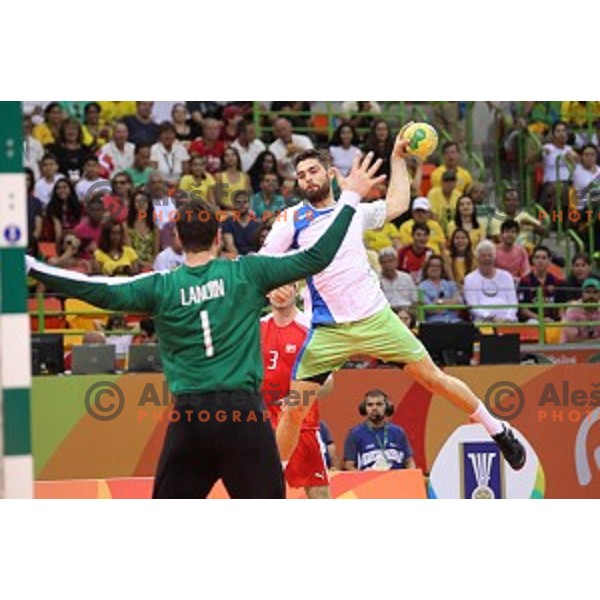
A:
{"points": [[348, 289]]}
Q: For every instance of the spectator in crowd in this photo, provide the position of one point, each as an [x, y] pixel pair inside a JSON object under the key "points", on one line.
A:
{"points": [[233, 116], [477, 192], [383, 237], [380, 141], [538, 277], [44, 186], [449, 117], [581, 270], [63, 211], [231, 180], [95, 132], [162, 110], [268, 200], [119, 151], [586, 176], [421, 214], [292, 106], [286, 147], [172, 256], [332, 460], [247, 144], [140, 170], [397, 286], [33, 151], [260, 236], [121, 340], [199, 183], [438, 290], [185, 129], [528, 224], [412, 258], [377, 444], [462, 261], [510, 256], [35, 208], [69, 255], [558, 159], [47, 133], [451, 162], [201, 110], [465, 217], [142, 128], [415, 169], [70, 151], [576, 114], [343, 148], [265, 162], [117, 202], [210, 146], [490, 286], [579, 313], [240, 229], [444, 198], [89, 229], [162, 202], [114, 111], [351, 107], [407, 317], [114, 258], [91, 178], [142, 232], [169, 156], [147, 333]]}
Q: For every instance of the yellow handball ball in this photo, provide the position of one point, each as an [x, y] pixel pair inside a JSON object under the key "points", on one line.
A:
{"points": [[423, 139]]}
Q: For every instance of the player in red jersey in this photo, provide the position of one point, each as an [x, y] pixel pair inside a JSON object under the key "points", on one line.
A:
{"points": [[282, 335]]}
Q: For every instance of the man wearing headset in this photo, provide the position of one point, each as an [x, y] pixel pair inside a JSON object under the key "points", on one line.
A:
{"points": [[377, 444]]}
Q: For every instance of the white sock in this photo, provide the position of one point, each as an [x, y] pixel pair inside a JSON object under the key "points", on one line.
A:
{"points": [[482, 415]]}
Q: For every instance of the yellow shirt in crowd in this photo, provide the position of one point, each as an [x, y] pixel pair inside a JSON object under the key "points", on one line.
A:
{"points": [[377, 239], [187, 184], [437, 239], [463, 178], [442, 209], [109, 265]]}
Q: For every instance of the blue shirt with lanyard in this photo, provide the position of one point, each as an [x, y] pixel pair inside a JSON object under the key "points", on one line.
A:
{"points": [[384, 447]]}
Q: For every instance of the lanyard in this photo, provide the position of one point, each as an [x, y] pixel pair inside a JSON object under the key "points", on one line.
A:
{"points": [[170, 160], [382, 446]]}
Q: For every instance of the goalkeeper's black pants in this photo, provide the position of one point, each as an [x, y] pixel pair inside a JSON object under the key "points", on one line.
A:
{"points": [[219, 435]]}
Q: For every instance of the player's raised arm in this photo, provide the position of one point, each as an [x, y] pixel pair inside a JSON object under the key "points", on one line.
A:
{"points": [[273, 271], [135, 294], [398, 194]]}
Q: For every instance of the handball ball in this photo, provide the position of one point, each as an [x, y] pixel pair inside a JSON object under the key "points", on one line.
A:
{"points": [[422, 138]]}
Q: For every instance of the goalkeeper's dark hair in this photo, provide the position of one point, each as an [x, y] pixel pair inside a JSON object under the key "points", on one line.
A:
{"points": [[197, 225]]}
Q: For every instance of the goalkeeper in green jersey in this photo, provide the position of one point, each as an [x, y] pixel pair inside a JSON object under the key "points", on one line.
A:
{"points": [[207, 320]]}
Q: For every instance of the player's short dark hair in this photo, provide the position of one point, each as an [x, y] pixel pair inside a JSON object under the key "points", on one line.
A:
{"points": [[319, 155], [197, 225], [510, 225], [420, 227]]}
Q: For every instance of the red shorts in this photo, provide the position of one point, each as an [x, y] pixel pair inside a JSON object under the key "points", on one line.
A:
{"points": [[307, 466]]}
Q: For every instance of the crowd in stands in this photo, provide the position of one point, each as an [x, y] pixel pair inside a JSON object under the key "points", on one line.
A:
{"points": [[104, 177]]}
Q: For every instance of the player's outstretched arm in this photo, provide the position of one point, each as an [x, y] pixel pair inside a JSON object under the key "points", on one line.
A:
{"points": [[398, 194], [134, 294], [273, 271]]}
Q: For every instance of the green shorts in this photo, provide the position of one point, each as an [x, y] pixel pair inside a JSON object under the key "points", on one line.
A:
{"points": [[382, 336]]}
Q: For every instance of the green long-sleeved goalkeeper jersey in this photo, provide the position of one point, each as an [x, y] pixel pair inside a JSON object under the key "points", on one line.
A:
{"points": [[206, 317]]}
